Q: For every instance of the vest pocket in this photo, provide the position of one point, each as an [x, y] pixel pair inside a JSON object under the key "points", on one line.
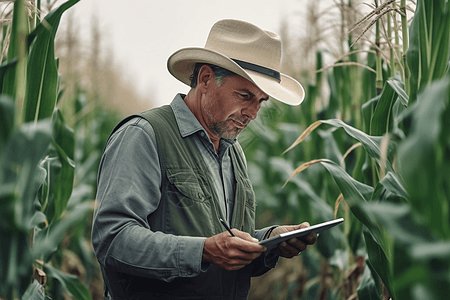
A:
{"points": [[188, 203], [187, 186]]}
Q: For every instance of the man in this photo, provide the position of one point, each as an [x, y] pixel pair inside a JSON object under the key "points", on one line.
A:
{"points": [[169, 175]]}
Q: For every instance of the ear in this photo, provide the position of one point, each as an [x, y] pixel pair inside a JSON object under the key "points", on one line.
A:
{"points": [[205, 77]]}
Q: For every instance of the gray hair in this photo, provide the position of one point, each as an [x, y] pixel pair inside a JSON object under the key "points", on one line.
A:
{"points": [[220, 74]]}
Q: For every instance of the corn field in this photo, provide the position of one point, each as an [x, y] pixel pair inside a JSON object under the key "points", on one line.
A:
{"points": [[370, 144]]}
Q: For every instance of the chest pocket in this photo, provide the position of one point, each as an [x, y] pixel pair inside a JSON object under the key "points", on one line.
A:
{"points": [[189, 184], [189, 207]]}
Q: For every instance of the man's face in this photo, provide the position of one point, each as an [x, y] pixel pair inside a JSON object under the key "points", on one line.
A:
{"points": [[230, 107]]}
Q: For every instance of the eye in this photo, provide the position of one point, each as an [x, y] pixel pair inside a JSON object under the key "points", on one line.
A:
{"points": [[243, 95]]}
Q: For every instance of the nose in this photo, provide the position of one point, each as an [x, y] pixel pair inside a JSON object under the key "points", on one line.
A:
{"points": [[251, 110]]}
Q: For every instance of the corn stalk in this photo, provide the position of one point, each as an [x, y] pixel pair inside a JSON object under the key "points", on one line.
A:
{"points": [[36, 162]]}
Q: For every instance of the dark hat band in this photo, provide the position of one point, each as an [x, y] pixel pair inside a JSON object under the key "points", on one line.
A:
{"points": [[259, 69]]}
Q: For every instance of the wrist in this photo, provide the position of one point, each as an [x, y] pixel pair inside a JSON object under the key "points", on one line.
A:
{"points": [[206, 256]]}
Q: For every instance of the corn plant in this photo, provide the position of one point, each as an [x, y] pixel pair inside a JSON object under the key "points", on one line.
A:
{"points": [[387, 209], [36, 162], [389, 172]]}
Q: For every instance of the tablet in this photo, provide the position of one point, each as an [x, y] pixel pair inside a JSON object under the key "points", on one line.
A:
{"points": [[273, 242]]}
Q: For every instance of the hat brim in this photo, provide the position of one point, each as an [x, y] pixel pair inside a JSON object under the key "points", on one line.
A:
{"points": [[181, 65]]}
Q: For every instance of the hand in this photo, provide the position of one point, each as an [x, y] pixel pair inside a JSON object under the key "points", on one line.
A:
{"points": [[231, 253], [294, 246]]}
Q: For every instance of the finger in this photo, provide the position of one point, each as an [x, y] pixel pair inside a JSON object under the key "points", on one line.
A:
{"points": [[295, 227], [292, 249], [303, 225], [244, 235], [286, 254], [242, 256], [247, 243], [234, 259], [237, 260], [311, 238], [298, 244], [248, 247]]}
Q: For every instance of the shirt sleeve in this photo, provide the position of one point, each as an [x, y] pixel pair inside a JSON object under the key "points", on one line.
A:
{"points": [[269, 259], [128, 192]]}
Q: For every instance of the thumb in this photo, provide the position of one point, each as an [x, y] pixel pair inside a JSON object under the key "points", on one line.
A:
{"points": [[244, 235], [296, 227]]}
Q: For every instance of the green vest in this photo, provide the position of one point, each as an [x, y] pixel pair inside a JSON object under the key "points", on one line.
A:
{"points": [[189, 207], [189, 204]]}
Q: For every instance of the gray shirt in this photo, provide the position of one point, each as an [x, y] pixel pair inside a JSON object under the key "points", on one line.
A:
{"points": [[128, 193]]}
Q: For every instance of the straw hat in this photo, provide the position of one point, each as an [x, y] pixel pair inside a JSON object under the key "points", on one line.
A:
{"points": [[246, 50]]}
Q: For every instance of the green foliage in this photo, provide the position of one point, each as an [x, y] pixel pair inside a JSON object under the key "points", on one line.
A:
{"points": [[60, 167], [36, 163], [395, 188], [70, 283], [428, 52], [19, 173], [34, 292], [380, 159], [13, 78], [42, 69], [369, 286]]}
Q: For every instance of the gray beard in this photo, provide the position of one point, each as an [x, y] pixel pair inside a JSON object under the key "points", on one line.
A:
{"points": [[222, 130]]}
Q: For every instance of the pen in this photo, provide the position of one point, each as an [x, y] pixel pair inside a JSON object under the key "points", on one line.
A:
{"points": [[226, 227]]}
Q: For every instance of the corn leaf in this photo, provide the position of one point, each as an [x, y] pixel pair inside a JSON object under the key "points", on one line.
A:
{"points": [[369, 288], [398, 87], [69, 282], [379, 124], [47, 240], [424, 156], [394, 184], [6, 119], [19, 169], [19, 183], [34, 292], [372, 144], [16, 48], [42, 72], [16, 260], [4, 69], [428, 53], [60, 168], [400, 222], [332, 151], [379, 262], [368, 109], [357, 194], [411, 235]]}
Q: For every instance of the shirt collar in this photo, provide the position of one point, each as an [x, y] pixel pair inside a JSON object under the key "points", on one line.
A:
{"points": [[187, 122]]}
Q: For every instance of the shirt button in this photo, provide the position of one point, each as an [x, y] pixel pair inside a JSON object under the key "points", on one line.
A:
{"points": [[190, 272]]}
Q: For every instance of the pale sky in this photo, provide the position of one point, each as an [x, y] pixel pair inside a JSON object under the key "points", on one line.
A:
{"points": [[144, 33]]}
